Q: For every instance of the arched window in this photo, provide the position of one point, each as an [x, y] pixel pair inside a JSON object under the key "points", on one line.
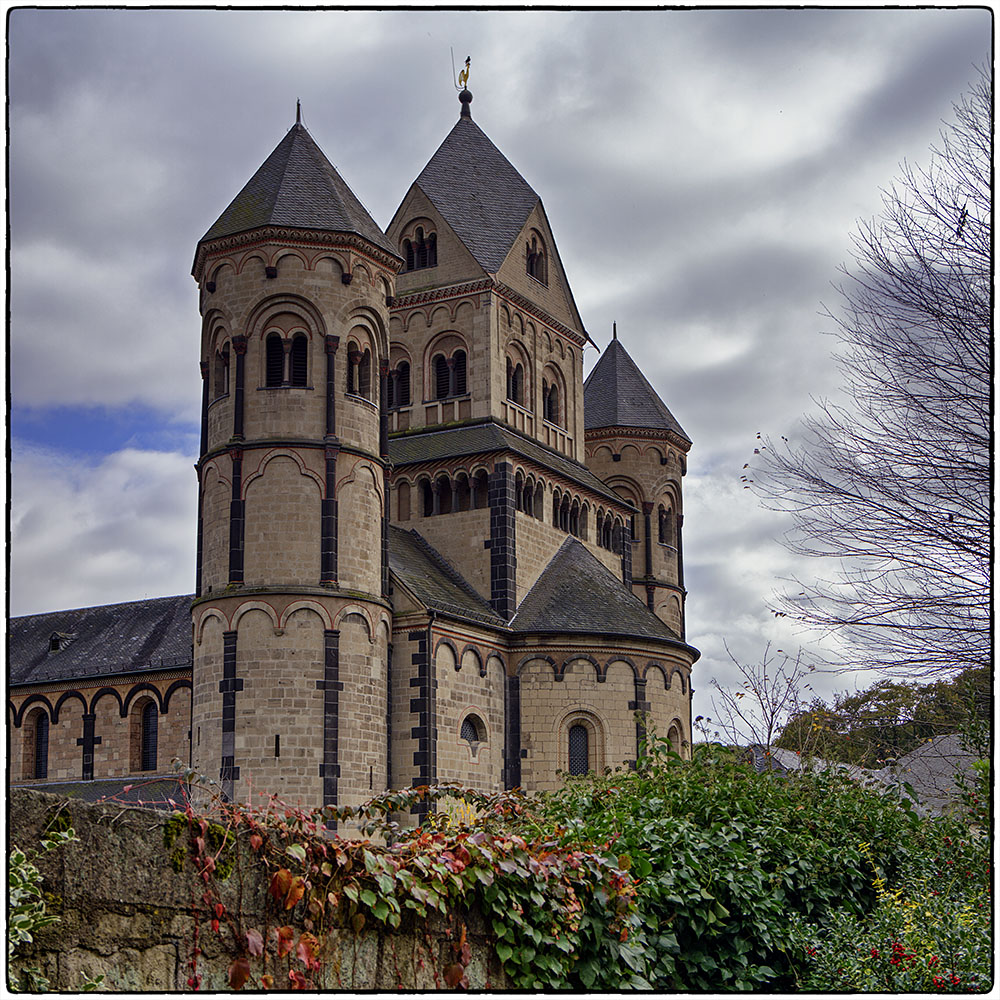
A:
{"points": [[535, 263], [473, 730], [459, 359], [550, 402], [403, 501], [402, 381], [442, 379], [35, 764], [515, 382], [421, 251], [275, 363], [579, 749], [480, 489], [427, 498], [365, 375], [299, 359], [674, 736], [148, 747], [222, 372]]}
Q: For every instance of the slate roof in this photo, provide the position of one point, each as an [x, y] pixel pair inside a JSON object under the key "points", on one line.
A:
{"points": [[487, 437], [435, 583], [930, 770], [577, 594], [298, 186], [106, 640], [478, 192], [616, 394]]}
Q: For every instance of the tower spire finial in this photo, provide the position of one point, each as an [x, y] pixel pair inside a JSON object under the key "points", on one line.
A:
{"points": [[614, 331], [298, 112], [465, 97]]}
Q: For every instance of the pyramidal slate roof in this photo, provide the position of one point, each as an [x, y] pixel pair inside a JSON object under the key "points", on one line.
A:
{"points": [[298, 186], [577, 593], [435, 583], [100, 641], [478, 192], [617, 394]]}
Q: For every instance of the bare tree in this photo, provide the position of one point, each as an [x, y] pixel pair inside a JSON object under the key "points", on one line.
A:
{"points": [[760, 706], [894, 489]]}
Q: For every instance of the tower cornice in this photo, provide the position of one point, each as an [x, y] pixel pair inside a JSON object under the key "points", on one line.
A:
{"points": [[288, 236]]}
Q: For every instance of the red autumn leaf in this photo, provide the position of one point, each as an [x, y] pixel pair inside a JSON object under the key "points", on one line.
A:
{"points": [[199, 843], [295, 892], [286, 940], [215, 925], [357, 922], [219, 910], [255, 943], [256, 840], [280, 882], [306, 951], [297, 979], [454, 974], [239, 973], [267, 981]]}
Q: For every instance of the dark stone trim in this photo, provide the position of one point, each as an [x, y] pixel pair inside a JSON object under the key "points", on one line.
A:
{"points": [[331, 344], [204, 407], [65, 696], [503, 553], [134, 691], [200, 544], [385, 533], [88, 741], [424, 707], [639, 705], [626, 560], [680, 567], [647, 513], [237, 513], [228, 686], [388, 714], [176, 686], [240, 350], [104, 692], [329, 770], [296, 443], [328, 521], [512, 732], [28, 702]]}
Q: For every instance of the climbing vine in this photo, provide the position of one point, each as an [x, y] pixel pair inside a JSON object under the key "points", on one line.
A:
{"points": [[545, 905]]}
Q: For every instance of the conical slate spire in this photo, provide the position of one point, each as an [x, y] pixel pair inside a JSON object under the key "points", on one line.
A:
{"points": [[616, 394], [297, 186], [478, 191]]}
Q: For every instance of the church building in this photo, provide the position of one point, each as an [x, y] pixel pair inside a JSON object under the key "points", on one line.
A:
{"points": [[427, 550]]}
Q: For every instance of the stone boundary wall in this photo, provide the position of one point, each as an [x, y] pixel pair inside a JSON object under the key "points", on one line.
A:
{"points": [[126, 914]]}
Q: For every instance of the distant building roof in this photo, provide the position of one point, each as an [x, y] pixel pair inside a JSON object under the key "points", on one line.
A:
{"points": [[297, 186], [433, 581], [478, 192], [617, 394], [100, 641], [483, 438], [576, 593], [930, 769]]}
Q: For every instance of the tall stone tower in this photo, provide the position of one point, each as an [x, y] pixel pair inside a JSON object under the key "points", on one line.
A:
{"points": [[291, 616], [636, 446]]}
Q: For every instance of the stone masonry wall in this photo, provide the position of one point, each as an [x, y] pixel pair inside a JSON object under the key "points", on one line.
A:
{"points": [[126, 914]]}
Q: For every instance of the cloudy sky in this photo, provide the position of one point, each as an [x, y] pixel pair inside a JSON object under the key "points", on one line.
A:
{"points": [[702, 171]]}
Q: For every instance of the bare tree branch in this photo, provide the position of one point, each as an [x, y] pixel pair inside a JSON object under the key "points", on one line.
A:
{"points": [[894, 489]]}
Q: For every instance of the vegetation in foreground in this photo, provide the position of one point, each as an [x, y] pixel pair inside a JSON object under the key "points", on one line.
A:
{"points": [[678, 875]]}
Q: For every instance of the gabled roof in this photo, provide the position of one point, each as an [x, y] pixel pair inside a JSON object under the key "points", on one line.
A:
{"points": [[617, 394], [297, 186], [577, 594], [104, 640], [478, 192], [489, 436], [433, 581]]}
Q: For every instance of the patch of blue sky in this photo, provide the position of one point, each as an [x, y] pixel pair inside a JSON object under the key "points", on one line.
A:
{"points": [[96, 431]]}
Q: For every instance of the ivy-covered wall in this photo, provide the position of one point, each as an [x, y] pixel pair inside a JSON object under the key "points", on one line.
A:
{"points": [[126, 913]]}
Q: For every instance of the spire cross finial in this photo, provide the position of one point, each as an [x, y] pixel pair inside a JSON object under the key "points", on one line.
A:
{"points": [[298, 112], [614, 331]]}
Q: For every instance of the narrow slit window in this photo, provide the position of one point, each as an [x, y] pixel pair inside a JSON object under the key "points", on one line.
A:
{"points": [[275, 363], [149, 734], [300, 360], [579, 749]]}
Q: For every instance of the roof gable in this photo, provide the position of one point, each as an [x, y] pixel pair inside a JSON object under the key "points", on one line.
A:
{"points": [[617, 394], [297, 186], [478, 192], [577, 594]]}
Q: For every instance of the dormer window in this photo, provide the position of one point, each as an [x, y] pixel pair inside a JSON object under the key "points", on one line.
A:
{"points": [[60, 640], [535, 259], [421, 251]]}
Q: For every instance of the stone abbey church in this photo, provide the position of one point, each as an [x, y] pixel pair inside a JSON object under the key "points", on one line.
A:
{"points": [[426, 550]]}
